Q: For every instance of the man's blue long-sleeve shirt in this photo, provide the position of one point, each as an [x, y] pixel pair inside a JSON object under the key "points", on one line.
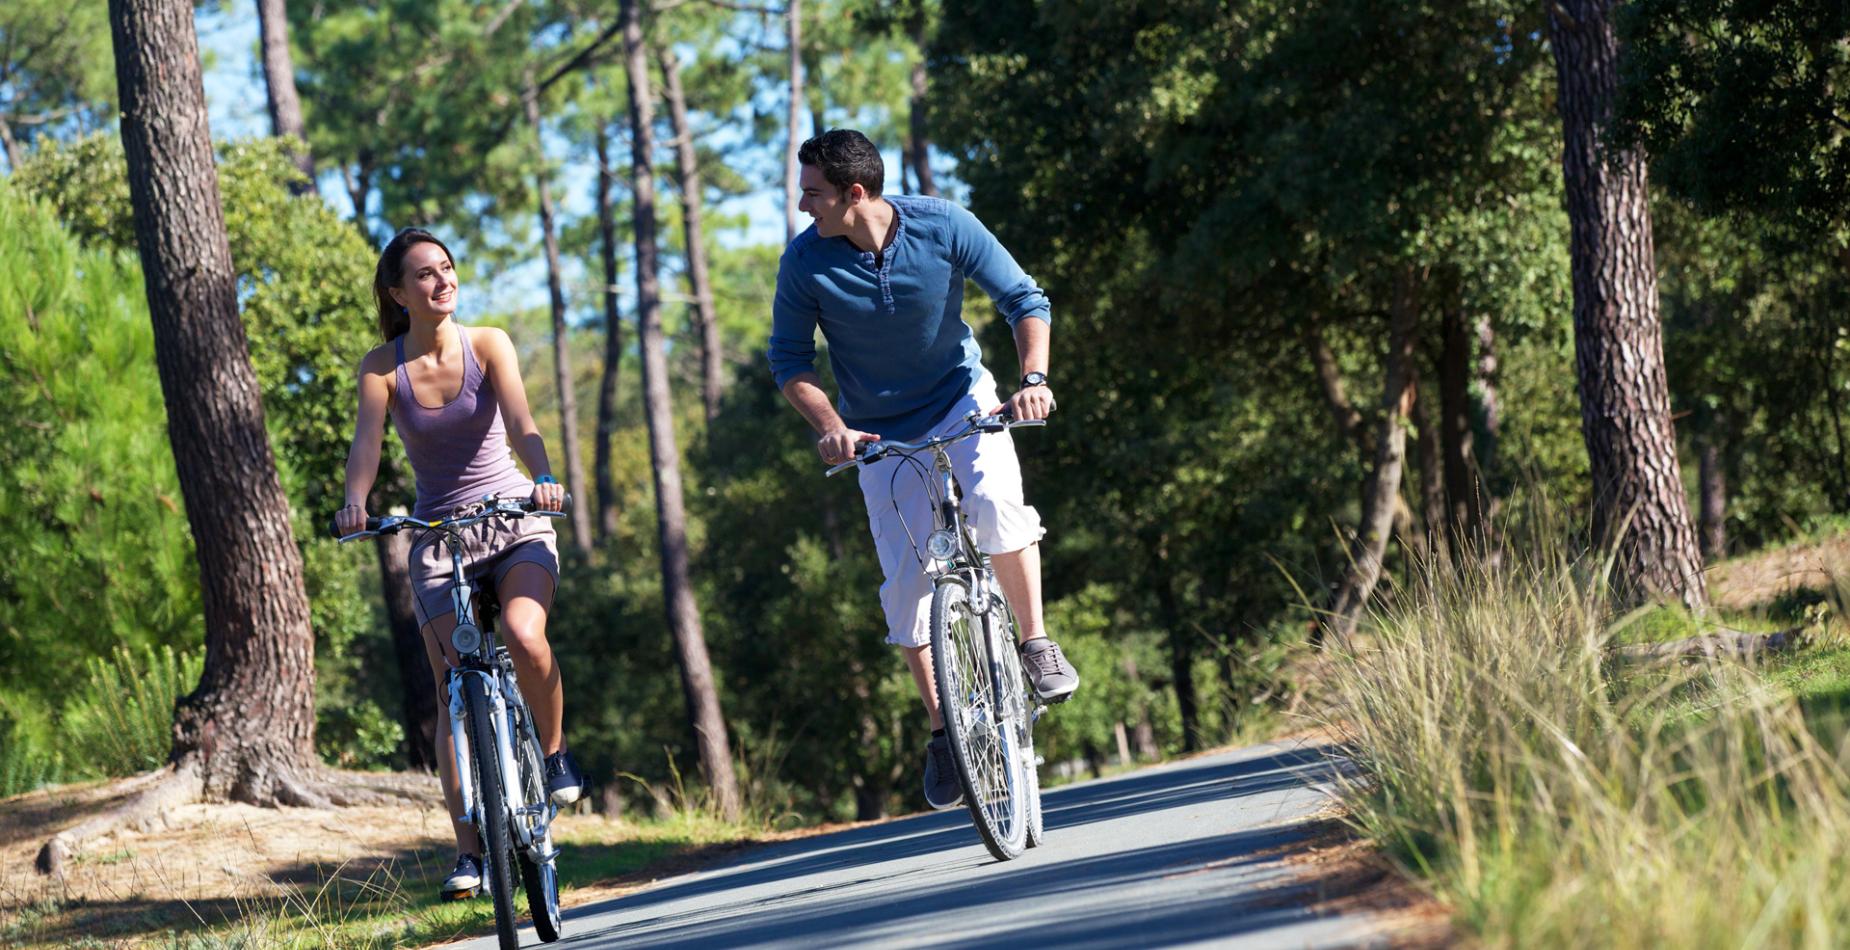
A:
{"points": [[899, 346]]}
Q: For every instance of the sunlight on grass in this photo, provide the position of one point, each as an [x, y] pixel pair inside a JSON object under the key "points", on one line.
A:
{"points": [[1554, 798]]}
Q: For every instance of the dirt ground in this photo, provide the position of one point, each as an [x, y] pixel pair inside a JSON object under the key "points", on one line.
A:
{"points": [[200, 864], [1751, 583]]}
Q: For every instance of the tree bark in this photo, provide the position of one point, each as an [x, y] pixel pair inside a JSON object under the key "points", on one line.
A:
{"points": [[712, 374], [697, 680], [279, 80], [919, 146], [561, 335], [9, 145], [414, 673], [1639, 506], [607, 511], [247, 731], [1464, 491], [1435, 517], [1714, 496], [794, 23], [1383, 487]]}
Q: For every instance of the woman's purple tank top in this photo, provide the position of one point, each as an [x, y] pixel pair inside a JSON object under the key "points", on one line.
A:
{"points": [[459, 451]]}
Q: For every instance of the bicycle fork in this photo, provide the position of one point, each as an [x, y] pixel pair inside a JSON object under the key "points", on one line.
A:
{"points": [[503, 757]]}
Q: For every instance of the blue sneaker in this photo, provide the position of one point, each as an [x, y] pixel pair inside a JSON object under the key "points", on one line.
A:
{"points": [[464, 880], [942, 790], [564, 780]]}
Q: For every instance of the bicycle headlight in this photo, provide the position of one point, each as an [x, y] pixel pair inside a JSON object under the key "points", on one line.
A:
{"points": [[941, 545], [467, 638]]}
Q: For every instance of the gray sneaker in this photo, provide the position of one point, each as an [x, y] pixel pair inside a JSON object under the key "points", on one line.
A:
{"points": [[942, 790], [1053, 678]]}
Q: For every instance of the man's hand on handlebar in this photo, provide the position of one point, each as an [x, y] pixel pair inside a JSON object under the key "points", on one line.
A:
{"points": [[1031, 403], [842, 444]]}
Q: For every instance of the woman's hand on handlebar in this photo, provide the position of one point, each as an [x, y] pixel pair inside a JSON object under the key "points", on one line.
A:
{"points": [[351, 519], [549, 496]]}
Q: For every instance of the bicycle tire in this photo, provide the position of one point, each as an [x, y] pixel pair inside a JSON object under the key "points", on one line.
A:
{"points": [[539, 880], [1030, 769], [986, 754], [496, 850]]}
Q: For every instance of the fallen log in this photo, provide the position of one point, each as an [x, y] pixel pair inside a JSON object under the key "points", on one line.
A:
{"points": [[1731, 644]]}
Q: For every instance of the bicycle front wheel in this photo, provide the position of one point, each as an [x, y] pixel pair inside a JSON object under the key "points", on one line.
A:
{"points": [[540, 878], [497, 851], [968, 664], [1021, 707]]}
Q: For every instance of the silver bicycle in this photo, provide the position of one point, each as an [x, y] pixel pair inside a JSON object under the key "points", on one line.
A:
{"points": [[498, 754], [989, 714]]}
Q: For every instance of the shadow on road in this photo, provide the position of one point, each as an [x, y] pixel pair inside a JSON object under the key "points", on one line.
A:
{"points": [[761, 910]]}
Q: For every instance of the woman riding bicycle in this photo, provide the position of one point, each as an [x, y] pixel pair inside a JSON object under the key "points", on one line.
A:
{"points": [[454, 393]]}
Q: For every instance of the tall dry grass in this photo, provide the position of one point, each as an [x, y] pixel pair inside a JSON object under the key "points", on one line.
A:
{"points": [[1554, 799]]}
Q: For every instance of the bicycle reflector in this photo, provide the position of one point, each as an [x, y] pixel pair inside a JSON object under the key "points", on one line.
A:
{"points": [[941, 546], [467, 638]]}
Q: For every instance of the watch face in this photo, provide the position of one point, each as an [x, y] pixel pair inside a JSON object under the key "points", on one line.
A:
{"points": [[1034, 379]]}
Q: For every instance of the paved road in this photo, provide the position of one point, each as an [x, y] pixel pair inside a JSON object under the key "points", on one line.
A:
{"points": [[1183, 854]]}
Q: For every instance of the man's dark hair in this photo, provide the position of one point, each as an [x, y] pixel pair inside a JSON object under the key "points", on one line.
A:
{"points": [[846, 158]]}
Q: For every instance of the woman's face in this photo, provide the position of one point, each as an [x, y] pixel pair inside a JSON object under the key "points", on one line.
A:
{"points": [[429, 286]]}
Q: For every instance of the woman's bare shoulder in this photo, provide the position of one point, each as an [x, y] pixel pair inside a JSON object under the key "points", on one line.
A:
{"points": [[381, 360], [491, 342]]}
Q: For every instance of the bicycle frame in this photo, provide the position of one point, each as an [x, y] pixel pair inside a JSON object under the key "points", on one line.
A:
{"points": [[481, 657]]}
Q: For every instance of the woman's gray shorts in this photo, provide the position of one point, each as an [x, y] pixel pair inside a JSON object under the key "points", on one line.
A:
{"points": [[492, 547]]}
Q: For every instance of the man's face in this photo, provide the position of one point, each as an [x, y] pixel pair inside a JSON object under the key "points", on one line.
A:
{"points": [[830, 207]]}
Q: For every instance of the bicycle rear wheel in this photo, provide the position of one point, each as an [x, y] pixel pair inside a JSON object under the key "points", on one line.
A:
{"points": [[966, 664], [497, 853], [539, 878]]}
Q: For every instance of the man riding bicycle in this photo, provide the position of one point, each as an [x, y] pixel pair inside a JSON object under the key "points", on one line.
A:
{"points": [[883, 279]]}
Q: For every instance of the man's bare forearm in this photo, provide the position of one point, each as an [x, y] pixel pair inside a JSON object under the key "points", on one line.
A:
{"points": [[1031, 344], [805, 392]]}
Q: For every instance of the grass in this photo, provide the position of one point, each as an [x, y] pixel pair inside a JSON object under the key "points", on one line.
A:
{"points": [[1555, 799]]}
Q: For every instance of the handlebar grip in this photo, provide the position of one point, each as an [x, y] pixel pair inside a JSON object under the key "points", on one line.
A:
{"points": [[372, 524]]}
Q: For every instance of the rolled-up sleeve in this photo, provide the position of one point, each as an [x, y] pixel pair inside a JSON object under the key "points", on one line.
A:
{"points": [[793, 324], [984, 260]]}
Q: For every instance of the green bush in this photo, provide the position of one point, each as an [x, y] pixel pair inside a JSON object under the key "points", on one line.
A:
{"points": [[122, 721]]}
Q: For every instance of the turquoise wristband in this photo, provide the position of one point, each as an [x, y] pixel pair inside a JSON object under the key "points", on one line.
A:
{"points": [[545, 480]]}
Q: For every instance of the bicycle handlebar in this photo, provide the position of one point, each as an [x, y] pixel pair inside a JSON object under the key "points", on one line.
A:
{"points": [[496, 507], [875, 451]]}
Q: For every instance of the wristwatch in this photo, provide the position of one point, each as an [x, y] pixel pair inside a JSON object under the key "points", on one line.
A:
{"points": [[1034, 379]]}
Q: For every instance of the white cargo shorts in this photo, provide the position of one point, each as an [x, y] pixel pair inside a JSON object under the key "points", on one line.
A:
{"points": [[899, 513]]}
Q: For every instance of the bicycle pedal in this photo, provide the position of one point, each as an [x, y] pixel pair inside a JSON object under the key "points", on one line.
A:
{"points": [[463, 895]]}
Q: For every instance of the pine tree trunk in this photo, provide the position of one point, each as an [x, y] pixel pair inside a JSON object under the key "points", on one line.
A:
{"points": [[1639, 506], [414, 674], [794, 21], [1379, 500], [1464, 491], [697, 680], [248, 729], [561, 336], [1714, 496], [1435, 517], [279, 80], [712, 375], [607, 510], [919, 146]]}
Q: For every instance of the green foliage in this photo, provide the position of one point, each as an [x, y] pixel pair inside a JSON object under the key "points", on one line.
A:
{"points": [[100, 555], [121, 721], [1741, 104], [58, 68]]}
